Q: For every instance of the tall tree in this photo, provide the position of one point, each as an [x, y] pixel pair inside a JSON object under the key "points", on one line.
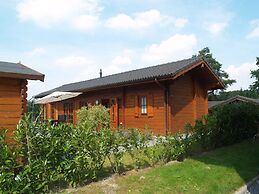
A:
{"points": [[255, 74], [216, 66]]}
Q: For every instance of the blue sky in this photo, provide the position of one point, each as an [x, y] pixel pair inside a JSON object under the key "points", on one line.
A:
{"points": [[70, 40]]}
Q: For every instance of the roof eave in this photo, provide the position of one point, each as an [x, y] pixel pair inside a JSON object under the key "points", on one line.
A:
{"points": [[23, 76]]}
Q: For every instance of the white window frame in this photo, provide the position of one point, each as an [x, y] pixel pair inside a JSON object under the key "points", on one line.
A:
{"points": [[143, 104]]}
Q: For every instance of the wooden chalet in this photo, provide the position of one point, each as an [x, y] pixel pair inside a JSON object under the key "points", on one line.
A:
{"points": [[160, 98], [13, 93]]}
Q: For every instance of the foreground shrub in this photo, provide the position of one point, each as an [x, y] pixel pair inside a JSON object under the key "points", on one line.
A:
{"points": [[45, 156], [173, 148], [8, 165], [94, 117], [117, 146], [136, 146]]}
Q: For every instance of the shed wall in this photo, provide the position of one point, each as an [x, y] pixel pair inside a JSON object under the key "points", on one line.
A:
{"points": [[13, 104]]}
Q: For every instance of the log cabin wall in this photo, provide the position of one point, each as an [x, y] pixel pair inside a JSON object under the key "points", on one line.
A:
{"points": [[13, 103], [154, 119], [182, 110], [129, 110], [188, 101]]}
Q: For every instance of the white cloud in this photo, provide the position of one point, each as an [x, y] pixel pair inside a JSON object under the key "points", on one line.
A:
{"points": [[36, 52], [255, 32], [138, 21], [180, 22], [176, 47], [85, 22], [121, 60], [143, 20], [74, 61], [241, 73], [120, 63], [216, 28], [46, 13]]}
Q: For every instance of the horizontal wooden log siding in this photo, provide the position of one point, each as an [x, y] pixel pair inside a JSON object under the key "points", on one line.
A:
{"points": [[187, 101], [154, 119], [13, 103]]}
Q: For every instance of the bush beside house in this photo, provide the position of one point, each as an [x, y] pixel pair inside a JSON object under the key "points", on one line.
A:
{"points": [[45, 156]]}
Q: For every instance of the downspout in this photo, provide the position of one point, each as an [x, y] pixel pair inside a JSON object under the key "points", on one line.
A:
{"points": [[167, 108], [123, 105]]}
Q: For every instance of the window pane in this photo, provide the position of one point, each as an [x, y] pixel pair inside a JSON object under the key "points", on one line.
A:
{"points": [[144, 105]]}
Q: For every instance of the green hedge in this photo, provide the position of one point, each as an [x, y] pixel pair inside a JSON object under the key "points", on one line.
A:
{"points": [[227, 125]]}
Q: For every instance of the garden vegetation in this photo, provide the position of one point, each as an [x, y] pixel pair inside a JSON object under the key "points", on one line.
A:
{"points": [[43, 157]]}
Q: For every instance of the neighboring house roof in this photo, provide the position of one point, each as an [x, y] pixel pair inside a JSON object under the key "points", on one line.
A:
{"points": [[17, 70], [214, 104], [56, 97], [140, 75]]}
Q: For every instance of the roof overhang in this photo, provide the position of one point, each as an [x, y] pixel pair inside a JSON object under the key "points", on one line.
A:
{"points": [[22, 76], [215, 81]]}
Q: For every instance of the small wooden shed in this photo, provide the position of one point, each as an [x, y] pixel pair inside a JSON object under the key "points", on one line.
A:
{"points": [[13, 93]]}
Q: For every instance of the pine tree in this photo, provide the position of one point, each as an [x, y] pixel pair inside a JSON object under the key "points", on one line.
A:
{"points": [[255, 74], [216, 66]]}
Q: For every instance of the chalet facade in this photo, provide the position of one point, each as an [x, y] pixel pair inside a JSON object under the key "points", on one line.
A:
{"points": [[160, 98], [13, 93]]}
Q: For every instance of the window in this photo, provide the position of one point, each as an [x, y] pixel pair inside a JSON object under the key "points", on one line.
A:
{"points": [[143, 104], [45, 112], [68, 112], [52, 111]]}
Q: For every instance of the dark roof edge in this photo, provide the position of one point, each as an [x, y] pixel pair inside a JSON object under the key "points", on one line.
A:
{"points": [[23, 76], [214, 73], [40, 75]]}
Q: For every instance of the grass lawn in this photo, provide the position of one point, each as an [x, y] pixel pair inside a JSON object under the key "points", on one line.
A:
{"points": [[221, 171]]}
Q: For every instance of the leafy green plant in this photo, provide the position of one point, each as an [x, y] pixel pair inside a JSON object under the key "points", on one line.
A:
{"points": [[136, 145], [117, 150], [94, 117], [154, 154]]}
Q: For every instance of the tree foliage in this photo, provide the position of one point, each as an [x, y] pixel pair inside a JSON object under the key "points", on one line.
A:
{"points": [[224, 95], [216, 66], [255, 74]]}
